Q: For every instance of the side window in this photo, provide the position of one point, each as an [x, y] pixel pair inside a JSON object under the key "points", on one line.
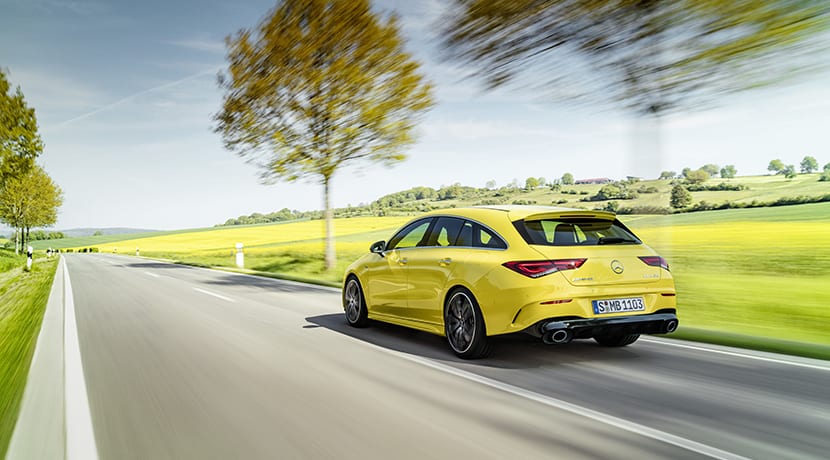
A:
{"points": [[465, 237], [445, 231], [484, 238], [412, 235]]}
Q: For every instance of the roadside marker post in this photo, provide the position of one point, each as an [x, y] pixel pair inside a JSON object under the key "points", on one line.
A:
{"points": [[29, 253], [240, 256], [136, 251]]}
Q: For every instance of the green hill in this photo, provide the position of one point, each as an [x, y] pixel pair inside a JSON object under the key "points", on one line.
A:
{"points": [[625, 197]]}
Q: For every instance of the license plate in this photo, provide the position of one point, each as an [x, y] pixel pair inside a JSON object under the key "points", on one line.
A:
{"points": [[618, 305]]}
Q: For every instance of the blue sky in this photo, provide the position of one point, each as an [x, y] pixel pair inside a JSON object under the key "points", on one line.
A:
{"points": [[125, 91]]}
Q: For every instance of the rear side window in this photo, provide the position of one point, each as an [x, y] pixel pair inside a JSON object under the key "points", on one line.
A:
{"points": [[575, 232], [477, 236]]}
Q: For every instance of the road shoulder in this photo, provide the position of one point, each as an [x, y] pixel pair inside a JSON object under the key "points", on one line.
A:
{"points": [[39, 432]]}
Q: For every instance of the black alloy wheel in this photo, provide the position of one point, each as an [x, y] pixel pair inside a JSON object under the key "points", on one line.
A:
{"points": [[464, 326], [354, 304]]}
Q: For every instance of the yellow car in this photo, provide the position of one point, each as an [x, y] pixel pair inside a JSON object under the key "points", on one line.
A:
{"points": [[471, 273]]}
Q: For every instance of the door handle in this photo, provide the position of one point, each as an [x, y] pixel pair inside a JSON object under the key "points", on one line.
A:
{"points": [[445, 261], [403, 261]]}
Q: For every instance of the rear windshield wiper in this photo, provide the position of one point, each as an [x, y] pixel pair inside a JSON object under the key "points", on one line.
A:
{"points": [[614, 240]]}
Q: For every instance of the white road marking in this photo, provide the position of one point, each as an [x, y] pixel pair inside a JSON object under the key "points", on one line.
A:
{"points": [[152, 274], [80, 436], [739, 355], [575, 409], [218, 296]]}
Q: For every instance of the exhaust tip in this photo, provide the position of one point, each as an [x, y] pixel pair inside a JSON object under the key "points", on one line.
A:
{"points": [[561, 336], [671, 326], [557, 336]]}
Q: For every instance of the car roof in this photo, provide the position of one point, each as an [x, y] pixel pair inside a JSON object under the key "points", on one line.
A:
{"points": [[520, 212]]}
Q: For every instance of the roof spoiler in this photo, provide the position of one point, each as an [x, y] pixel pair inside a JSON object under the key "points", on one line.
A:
{"points": [[605, 215]]}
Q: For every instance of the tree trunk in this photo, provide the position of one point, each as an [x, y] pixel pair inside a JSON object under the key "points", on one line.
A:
{"points": [[331, 258], [16, 241]]}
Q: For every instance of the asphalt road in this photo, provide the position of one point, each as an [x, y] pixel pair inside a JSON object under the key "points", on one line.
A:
{"points": [[188, 363]]}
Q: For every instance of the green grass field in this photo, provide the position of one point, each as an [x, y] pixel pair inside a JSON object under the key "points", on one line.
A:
{"points": [[23, 297], [760, 189]]}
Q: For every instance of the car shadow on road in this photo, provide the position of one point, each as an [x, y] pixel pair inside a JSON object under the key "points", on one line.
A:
{"points": [[269, 284], [514, 351]]}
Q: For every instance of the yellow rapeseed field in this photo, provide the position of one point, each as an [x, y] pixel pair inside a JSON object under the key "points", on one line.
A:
{"points": [[255, 238]]}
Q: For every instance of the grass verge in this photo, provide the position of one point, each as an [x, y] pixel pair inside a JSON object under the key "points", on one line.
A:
{"points": [[23, 297], [787, 347]]}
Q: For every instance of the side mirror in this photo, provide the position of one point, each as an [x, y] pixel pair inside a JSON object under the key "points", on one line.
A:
{"points": [[378, 247]]}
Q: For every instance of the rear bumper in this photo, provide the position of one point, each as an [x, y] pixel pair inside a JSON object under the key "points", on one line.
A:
{"points": [[662, 322]]}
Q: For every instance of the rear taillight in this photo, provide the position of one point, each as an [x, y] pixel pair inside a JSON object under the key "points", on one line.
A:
{"points": [[655, 261], [537, 268]]}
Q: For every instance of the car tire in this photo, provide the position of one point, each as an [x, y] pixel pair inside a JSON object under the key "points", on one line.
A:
{"points": [[354, 303], [616, 340], [464, 326]]}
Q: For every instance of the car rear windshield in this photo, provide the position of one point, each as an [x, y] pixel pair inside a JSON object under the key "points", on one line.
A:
{"points": [[575, 232]]}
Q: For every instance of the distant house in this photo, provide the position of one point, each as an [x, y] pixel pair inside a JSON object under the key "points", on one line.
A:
{"points": [[596, 180]]}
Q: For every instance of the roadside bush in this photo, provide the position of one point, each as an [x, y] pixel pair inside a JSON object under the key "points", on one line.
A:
{"points": [[612, 206], [9, 260], [524, 202], [722, 187], [644, 210], [613, 191], [785, 201], [703, 206]]}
